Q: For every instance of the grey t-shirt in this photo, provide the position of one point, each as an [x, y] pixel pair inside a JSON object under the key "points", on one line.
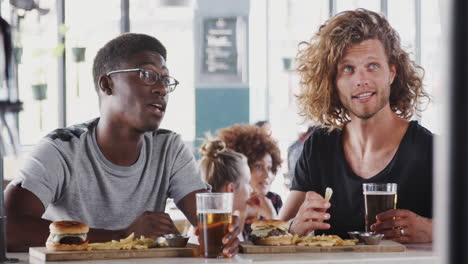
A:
{"points": [[74, 181]]}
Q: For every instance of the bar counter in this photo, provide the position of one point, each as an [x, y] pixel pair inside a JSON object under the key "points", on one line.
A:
{"points": [[414, 254]]}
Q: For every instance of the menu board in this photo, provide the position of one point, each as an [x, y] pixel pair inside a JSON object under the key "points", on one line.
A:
{"points": [[223, 49]]}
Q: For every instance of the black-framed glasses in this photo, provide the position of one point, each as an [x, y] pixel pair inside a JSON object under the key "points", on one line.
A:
{"points": [[150, 77]]}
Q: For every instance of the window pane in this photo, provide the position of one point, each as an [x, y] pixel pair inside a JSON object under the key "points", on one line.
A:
{"points": [[401, 15], [290, 22], [431, 60], [37, 73], [343, 5], [173, 26], [88, 30]]}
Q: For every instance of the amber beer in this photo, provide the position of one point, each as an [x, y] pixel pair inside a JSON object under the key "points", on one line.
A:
{"points": [[214, 212], [377, 199], [213, 226]]}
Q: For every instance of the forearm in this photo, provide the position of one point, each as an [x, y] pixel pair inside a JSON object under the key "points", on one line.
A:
{"points": [[24, 232], [188, 206]]}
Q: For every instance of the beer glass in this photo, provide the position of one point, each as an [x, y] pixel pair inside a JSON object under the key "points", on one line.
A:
{"points": [[214, 212], [378, 197]]}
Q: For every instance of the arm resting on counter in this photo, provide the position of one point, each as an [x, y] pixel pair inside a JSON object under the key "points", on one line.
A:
{"points": [[26, 228], [188, 205]]}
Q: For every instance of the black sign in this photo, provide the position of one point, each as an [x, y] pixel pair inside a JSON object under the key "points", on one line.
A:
{"points": [[220, 47]]}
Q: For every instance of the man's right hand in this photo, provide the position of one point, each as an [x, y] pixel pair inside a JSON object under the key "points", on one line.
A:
{"points": [[311, 215], [151, 224]]}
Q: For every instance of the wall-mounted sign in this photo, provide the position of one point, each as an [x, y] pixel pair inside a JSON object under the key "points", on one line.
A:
{"points": [[224, 53]]}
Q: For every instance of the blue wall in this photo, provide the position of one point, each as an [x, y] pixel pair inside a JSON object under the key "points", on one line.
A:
{"points": [[220, 107]]}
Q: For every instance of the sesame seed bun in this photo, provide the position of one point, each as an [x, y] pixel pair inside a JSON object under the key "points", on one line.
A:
{"points": [[68, 227]]}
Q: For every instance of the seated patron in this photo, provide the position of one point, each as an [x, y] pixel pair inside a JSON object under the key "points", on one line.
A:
{"points": [[114, 172], [226, 171], [264, 159], [362, 87]]}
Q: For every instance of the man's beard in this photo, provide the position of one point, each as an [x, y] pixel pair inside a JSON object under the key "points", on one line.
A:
{"points": [[383, 101]]}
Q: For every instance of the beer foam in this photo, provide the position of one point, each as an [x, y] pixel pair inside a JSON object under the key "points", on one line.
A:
{"points": [[214, 211], [378, 193]]}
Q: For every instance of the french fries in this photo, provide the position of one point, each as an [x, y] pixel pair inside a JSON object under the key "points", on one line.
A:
{"points": [[128, 243], [323, 241]]}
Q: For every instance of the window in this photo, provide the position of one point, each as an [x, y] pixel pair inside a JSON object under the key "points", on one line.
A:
{"points": [[88, 29]]}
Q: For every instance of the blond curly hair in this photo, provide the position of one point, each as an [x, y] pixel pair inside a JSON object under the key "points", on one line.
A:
{"points": [[317, 60]]}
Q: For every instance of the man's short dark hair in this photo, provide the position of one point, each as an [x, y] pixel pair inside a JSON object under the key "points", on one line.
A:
{"points": [[120, 49]]}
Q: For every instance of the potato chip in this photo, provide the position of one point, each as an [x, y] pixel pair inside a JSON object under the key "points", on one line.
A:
{"points": [[328, 194]]}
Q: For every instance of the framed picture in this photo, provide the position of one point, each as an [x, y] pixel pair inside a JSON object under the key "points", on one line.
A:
{"points": [[224, 50]]}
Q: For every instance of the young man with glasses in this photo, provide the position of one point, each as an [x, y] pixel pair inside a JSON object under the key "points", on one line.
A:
{"points": [[114, 172]]}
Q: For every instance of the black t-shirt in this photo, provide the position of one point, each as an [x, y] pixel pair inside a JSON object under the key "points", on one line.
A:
{"points": [[323, 164]]}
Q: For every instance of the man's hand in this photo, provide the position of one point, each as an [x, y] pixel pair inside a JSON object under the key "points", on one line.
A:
{"points": [[230, 240], [415, 228], [311, 215], [151, 224], [261, 204]]}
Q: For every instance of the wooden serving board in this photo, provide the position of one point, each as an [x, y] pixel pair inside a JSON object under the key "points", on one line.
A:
{"points": [[42, 253], [384, 246]]}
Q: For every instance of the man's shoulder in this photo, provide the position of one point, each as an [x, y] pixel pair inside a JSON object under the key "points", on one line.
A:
{"points": [[72, 132], [419, 133], [322, 133]]}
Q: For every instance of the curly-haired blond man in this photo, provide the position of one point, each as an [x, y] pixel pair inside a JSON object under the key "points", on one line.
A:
{"points": [[363, 88]]}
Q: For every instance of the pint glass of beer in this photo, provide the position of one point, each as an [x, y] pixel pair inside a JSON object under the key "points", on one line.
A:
{"points": [[378, 197], [214, 212]]}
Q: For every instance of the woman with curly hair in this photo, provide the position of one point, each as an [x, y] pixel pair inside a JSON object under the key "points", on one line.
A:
{"points": [[359, 83], [263, 156]]}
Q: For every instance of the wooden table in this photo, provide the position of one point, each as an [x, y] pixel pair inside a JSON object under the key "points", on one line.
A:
{"points": [[415, 254]]}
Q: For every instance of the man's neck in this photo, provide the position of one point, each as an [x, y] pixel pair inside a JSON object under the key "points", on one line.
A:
{"points": [[120, 145], [382, 131]]}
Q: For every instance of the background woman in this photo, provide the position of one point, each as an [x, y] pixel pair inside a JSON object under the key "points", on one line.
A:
{"points": [[226, 171], [263, 156]]}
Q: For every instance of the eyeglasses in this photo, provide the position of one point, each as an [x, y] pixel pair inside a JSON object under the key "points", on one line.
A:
{"points": [[150, 77]]}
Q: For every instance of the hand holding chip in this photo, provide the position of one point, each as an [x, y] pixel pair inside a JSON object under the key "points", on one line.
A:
{"points": [[311, 214]]}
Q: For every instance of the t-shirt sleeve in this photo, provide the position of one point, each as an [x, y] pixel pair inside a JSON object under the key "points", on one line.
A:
{"points": [[303, 174], [185, 177], [44, 172]]}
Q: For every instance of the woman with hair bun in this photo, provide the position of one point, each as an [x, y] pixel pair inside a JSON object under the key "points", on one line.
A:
{"points": [[263, 156], [226, 171]]}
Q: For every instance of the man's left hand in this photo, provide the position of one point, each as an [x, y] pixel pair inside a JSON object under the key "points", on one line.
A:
{"points": [[231, 240], [403, 226]]}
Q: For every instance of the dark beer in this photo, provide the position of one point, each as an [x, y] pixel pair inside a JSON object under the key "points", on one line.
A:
{"points": [[376, 203], [212, 226]]}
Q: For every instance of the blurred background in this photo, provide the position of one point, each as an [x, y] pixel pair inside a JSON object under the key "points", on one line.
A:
{"points": [[234, 60]]}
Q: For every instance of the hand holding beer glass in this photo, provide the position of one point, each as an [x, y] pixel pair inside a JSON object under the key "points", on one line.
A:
{"points": [[214, 212], [378, 198]]}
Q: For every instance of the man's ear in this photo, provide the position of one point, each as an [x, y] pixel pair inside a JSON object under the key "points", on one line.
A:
{"points": [[393, 73], [105, 84], [229, 187]]}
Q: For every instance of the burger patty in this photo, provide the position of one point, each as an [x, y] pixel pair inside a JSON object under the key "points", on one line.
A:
{"points": [[71, 240], [272, 232]]}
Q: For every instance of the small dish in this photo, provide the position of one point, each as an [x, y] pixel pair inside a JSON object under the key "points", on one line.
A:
{"points": [[371, 238], [176, 240], [356, 235]]}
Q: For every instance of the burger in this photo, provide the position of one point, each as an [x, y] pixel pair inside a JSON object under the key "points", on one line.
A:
{"points": [[270, 233], [67, 235]]}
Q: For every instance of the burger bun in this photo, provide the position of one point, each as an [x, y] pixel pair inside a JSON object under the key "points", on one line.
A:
{"points": [[66, 247], [274, 241], [68, 227]]}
